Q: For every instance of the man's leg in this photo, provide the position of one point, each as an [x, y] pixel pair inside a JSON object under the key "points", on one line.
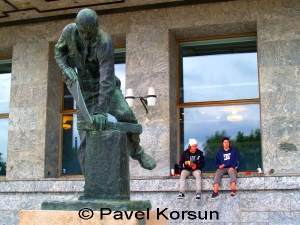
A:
{"points": [[184, 174], [232, 176], [233, 186], [197, 175], [216, 187], [123, 113], [217, 181]]}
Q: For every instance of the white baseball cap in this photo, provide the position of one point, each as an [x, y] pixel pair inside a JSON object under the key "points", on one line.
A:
{"points": [[192, 141]]}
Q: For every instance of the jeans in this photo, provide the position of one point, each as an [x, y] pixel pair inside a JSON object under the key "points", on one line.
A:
{"points": [[184, 174], [221, 172]]}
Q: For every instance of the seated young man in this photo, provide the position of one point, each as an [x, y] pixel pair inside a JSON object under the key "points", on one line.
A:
{"points": [[191, 161], [227, 161]]}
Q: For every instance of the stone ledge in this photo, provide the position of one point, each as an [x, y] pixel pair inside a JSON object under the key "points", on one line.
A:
{"points": [[165, 184], [53, 217]]}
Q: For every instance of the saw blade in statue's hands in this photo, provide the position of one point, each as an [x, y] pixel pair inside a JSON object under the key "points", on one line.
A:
{"points": [[75, 90]]}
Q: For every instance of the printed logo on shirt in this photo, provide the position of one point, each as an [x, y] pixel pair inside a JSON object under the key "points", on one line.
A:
{"points": [[226, 156], [192, 158]]}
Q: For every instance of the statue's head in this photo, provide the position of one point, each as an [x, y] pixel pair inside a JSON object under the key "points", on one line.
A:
{"points": [[87, 23]]}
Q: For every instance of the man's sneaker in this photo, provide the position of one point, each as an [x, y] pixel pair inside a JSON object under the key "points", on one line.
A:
{"points": [[198, 196], [180, 195], [232, 193], [214, 195]]}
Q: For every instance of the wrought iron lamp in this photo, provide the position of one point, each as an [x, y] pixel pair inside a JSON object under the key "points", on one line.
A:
{"points": [[149, 100]]}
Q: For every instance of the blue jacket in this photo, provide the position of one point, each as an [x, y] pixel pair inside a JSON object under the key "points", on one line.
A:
{"points": [[229, 158]]}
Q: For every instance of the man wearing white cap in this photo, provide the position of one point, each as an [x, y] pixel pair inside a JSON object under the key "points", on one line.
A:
{"points": [[191, 161]]}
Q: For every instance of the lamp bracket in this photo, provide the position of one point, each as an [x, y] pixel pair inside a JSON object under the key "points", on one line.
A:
{"points": [[144, 102], [129, 96]]}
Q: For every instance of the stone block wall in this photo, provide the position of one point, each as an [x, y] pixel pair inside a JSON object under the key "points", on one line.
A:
{"points": [[259, 199], [150, 38]]}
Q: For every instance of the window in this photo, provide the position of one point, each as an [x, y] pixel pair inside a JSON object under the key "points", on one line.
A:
{"points": [[5, 79], [219, 96], [70, 140]]}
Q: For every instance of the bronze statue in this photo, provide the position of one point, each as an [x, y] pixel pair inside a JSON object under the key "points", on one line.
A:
{"points": [[85, 54]]}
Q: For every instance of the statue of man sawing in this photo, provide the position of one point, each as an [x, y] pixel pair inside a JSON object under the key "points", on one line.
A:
{"points": [[85, 54]]}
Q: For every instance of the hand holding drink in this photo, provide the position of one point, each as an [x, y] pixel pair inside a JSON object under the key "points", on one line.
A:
{"points": [[188, 163]]}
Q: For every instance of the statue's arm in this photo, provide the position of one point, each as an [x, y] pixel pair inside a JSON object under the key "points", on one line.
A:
{"points": [[61, 52]]}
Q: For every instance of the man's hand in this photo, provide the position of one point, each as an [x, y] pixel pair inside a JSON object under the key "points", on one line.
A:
{"points": [[187, 163], [69, 76], [222, 166], [193, 166], [100, 121]]}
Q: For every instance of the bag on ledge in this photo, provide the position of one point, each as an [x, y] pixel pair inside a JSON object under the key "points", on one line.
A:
{"points": [[177, 168]]}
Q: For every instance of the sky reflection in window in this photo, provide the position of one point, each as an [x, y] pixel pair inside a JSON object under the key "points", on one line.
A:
{"points": [[5, 80], [220, 77]]}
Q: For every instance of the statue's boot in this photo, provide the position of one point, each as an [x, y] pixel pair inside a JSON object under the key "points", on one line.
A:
{"points": [[138, 153], [146, 161]]}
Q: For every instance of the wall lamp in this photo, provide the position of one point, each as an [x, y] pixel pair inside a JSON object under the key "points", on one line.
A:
{"points": [[66, 118], [149, 100]]}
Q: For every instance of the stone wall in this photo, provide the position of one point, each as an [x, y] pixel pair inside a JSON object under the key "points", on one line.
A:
{"points": [[150, 37], [259, 199]]}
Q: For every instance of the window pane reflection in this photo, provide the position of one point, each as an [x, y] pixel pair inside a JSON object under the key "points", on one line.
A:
{"points": [[120, 66], [120, 73], [5, 80], [220, 77], [5, 83], [70, 145], [68, 101], [209, 124], [3, 145], [217, 70]]}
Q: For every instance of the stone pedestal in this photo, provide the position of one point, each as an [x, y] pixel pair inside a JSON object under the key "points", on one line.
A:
{"points": [[107, 166], [107, 178]]}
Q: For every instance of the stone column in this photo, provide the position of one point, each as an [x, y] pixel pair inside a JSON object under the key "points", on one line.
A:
{"points": [[279, 66], [147, 65], [28, 110]]}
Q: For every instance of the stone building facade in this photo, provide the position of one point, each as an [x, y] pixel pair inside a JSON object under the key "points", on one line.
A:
{"points": [[150, 38]]}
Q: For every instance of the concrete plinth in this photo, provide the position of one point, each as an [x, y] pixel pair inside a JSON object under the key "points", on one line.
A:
{"points": [[52, 217]]}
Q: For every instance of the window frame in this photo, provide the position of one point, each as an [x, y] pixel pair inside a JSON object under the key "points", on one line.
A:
{"points": [[6, 115], [63, 112], [181, 105]]}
